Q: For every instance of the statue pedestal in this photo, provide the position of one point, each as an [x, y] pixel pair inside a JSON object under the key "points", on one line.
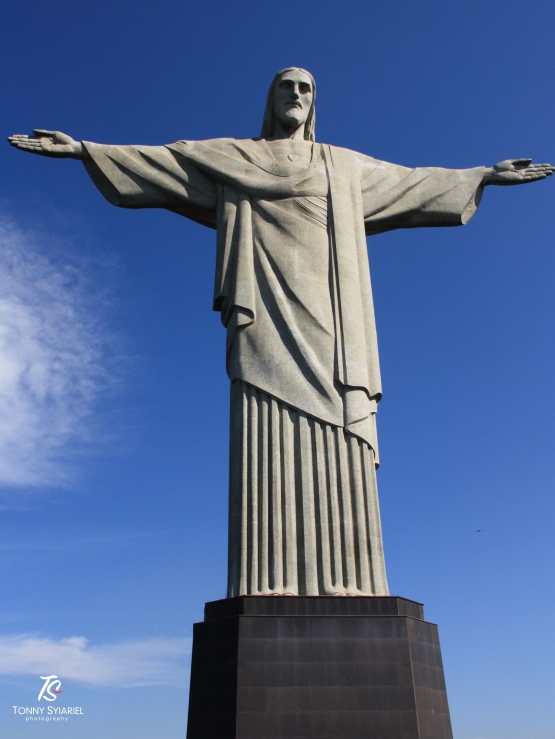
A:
{"points": [[280, 666]]}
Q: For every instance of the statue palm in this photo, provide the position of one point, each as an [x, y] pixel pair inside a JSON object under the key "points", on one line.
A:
{"points": [[516, 172], [48, 144]]}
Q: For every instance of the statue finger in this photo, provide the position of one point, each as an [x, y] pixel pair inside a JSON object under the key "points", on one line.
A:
{"points": [[43, 132], [25, 144], [541, 168]]}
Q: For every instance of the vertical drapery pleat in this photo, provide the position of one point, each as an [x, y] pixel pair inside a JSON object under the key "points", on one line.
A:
{"points": [[304, 514]]}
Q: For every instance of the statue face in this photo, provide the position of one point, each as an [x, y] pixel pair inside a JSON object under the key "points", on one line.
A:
{"points": [[292, 99]]}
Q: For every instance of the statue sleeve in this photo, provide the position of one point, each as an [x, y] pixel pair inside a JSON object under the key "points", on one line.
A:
{"points": [[400, 197], [151, 177]]}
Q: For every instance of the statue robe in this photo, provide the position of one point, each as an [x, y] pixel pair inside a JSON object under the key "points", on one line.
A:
{"points": [[293, 288]]}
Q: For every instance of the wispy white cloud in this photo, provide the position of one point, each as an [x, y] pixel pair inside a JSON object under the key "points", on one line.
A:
{"points": [[54, 358], [155, 661]]}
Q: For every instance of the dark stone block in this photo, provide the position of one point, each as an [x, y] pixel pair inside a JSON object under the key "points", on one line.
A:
{"points": [[322, 667], [255, 605]]}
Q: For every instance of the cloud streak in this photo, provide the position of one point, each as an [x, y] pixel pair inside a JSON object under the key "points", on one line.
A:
{"points": [[157, 661], [55, 359], [69, 544]]}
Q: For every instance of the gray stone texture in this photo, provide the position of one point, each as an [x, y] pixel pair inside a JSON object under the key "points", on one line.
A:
{"points": [[304, 514]]}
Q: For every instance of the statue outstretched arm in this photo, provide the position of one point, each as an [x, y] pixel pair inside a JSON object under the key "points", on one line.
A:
{"points": [[400, 197], [516, 172], [49, 144], [133, 176]]}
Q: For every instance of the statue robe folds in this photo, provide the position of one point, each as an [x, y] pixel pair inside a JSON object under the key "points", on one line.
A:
{"points": [[293, 288]]}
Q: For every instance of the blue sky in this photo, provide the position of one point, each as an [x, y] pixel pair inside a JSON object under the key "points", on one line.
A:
{"points": [[114, 398]]}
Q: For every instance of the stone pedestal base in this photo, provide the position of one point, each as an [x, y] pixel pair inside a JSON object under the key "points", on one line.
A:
{"points": [[280, 666]]}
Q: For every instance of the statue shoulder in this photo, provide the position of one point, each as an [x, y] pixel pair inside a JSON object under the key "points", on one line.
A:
{"points": [[349, 158], [191, 143], [235, 148]]}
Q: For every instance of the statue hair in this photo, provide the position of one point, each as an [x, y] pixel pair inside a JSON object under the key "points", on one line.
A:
{"points": [[269, 120]]}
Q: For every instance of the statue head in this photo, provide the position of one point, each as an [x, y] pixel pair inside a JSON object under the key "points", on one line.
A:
{"points": [[290, 101]]}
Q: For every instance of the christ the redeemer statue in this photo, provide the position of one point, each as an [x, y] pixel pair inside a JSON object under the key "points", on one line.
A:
{"points": [[293, 288]]}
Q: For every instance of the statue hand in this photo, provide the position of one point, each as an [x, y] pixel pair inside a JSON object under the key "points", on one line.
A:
{"points": [[48, 144], [516, 172]]}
